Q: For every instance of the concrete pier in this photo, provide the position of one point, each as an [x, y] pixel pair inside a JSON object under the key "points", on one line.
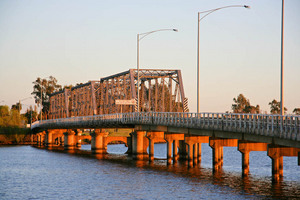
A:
{"points": [[98, 141], [276, 153], [139, 145], [173, 139], [49, 141], [245, 147], [217, 145], [78, 138], [69, 140], [194, 154]]}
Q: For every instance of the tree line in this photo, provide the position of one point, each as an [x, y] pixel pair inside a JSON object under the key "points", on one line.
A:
{"points": [[242, 105]]}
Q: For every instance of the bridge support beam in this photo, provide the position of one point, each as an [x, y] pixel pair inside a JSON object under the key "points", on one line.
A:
{"points": [[49, 141], [69, 140], [139, 145], [194, 148], [58, 136], [154, 137], [98, 141], [38, 139], [217, 145], [173, 139], [245, 147], [276, 153], [129, 144], [183, 150], [41, 138], [78, 138]]}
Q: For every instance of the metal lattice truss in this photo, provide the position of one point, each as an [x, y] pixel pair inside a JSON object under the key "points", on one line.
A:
{"points": [[78, 101], [159, 91], [59, 104]]}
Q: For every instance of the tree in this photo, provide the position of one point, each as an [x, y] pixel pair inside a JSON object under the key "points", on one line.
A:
{"points": [[275, 107], [42, 88], [4, 111], [296, 111], [30, 115], [16, 106], [242, 105]]}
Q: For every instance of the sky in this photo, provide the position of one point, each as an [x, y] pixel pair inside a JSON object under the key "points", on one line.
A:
{"points": [[80, 40]]}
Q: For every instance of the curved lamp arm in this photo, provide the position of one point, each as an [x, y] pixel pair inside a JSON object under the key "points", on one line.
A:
{"points": [[216, 9], [148, 33]]}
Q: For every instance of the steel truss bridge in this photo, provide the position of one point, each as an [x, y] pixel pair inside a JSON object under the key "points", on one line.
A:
{"points": [[160, 91], [163, 117]]}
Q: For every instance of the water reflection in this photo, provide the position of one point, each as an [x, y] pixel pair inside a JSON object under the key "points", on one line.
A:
{"points": [[199, 176]]}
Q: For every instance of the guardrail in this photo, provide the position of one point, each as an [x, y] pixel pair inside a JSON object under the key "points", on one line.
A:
{"points": [[287, 126]]}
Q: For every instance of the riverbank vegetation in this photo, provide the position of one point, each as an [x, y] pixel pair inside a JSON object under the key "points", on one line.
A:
{"points": [[13, 126], [14, 135], [242, 105]]}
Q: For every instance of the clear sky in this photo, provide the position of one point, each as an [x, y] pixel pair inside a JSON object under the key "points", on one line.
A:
{"points": [[80, 40]]}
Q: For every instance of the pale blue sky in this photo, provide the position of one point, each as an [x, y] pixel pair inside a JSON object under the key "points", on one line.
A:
{"points": [[81, 40]]}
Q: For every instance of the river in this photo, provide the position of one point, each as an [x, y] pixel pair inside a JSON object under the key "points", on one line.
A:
{"points": [[31, 173]]}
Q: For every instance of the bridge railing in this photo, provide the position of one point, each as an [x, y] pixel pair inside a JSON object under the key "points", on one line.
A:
{"points": [[287, 126]]}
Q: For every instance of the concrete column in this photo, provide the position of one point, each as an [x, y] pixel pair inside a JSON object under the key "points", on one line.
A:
{"points": [[216, 158], [195, 153], [221, 156], [139, 154], [169, 151], [276, 153], [245, 163], [175, 150], [153, 137], [190, 155], [98, 143], [78, 138], [217, 146], [37, 139], [129, 145], [277, 167], [69, 140], [245, 147], [194, 143], [61, 140], [151, 150], [199, 152], [31, 138], [49, 142], [183, 150], [42, 138]]}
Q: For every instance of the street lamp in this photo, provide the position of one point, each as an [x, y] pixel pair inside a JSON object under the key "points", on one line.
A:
{"points": [[281, 78], [138, 59], [207, 12]]}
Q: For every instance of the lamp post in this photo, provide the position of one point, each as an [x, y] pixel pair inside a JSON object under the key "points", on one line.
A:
{"points": [[207, 12], [281, 78], [138, 59]]}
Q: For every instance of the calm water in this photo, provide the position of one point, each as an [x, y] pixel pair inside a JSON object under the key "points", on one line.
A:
{"points": [[31, 173]]}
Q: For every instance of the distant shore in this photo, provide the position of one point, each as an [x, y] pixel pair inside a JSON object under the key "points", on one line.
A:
{"points": [[15, 136]]}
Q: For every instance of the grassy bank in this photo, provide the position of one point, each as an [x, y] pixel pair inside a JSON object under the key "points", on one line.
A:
{"points": [[14, 136]]}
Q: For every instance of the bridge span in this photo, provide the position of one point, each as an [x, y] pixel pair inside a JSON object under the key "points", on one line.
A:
{"points": [[184, 132]]}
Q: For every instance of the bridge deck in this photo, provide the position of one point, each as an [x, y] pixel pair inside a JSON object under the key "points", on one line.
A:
{"points": [[275, 129]]}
